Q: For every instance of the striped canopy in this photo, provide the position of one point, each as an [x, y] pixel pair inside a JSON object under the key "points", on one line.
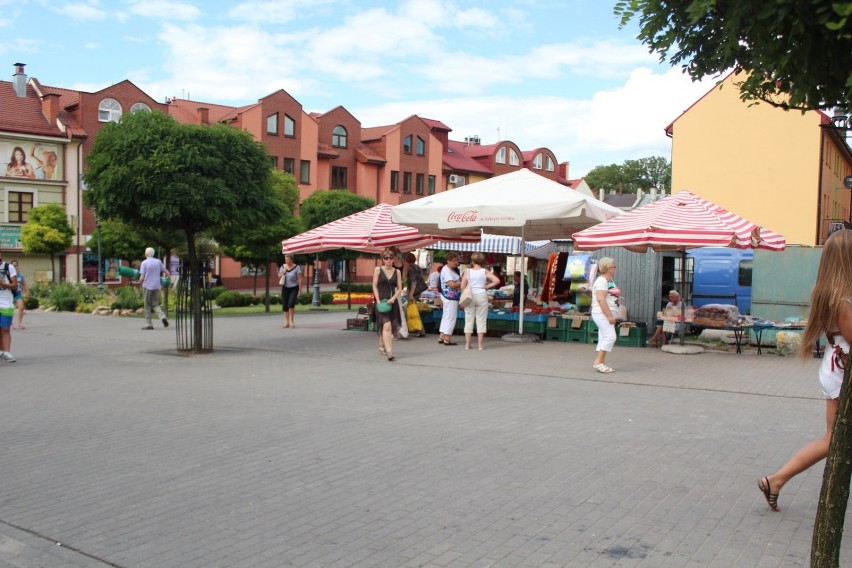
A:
{"points": [[500, 244], [678, 222], [368, 231]]}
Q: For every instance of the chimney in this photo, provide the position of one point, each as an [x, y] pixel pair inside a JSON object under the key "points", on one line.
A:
{"points": [[601, 194], [50, 107], [653, 193], [19, 81], [203, 115]]}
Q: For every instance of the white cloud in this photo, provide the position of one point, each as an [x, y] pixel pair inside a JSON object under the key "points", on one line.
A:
{"points": [[277, 12], [83, 12], [165, 10]]}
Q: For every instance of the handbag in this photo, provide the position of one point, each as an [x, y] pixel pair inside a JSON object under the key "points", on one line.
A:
{"points": [[466, 297], [450, 293], [383, 307], [281, 280]]}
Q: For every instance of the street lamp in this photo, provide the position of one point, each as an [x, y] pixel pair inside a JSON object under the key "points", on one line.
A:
{"points": [[316, 299], [100, 261]]}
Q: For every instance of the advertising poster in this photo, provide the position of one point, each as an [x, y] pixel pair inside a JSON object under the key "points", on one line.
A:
{"points": [[25, 159]]}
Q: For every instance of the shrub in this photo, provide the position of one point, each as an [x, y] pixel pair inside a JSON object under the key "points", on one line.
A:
{"points": [[67, 304], [31, 303], [344, 287], [216, 291], [64, 296], [230, 299], [305, 298], [127, 298], [326, 298]]}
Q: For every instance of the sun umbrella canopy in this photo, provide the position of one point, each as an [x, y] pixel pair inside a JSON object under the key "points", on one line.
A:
{"points": [[676, 223], [520, 203], [500, 244], [368, 231]]}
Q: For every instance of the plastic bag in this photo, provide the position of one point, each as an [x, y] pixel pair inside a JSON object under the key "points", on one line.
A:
{"points": [[412, 316]]}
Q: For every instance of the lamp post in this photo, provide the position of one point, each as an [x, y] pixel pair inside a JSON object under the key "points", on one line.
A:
{"points": [[316, 299], [100, 260]]}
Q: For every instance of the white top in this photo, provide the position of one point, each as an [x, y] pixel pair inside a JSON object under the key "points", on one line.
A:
{"points": [[6, 297], [448, 275], [476, 280], [601, 283], [830, 373]]}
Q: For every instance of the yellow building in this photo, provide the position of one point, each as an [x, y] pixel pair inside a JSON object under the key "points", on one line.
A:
{"points": [[783, 170]]}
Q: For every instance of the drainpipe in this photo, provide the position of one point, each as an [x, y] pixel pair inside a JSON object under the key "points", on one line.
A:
{"points": [[819, 186]]}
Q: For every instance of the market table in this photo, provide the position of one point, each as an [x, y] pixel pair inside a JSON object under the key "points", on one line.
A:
{"points": [[760, 328], [505, 321]]}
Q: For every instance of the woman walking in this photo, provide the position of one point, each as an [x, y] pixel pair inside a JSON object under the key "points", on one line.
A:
{"points": [[831, 314], [289, 276], [479, 280], [604, 303], [387, 287]]}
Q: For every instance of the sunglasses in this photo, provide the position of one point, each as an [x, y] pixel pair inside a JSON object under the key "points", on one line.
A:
{"points": [[387, 257]]}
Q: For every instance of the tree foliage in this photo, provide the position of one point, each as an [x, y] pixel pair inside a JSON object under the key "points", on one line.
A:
{"points": [[793, 53], [324, 207], [150, 171], [47, 232], [632, 175]]}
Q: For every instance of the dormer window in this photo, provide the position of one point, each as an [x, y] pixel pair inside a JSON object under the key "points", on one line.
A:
{"points": [[139, 106], [537, 161], [109, 111], [514, 159], [338, 137], [549, 166], [500, 158]]}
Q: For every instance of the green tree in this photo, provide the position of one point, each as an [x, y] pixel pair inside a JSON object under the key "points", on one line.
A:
{"points": [[148, 170], [260, 245], [47, 232], [794, 53], [632, 175]]}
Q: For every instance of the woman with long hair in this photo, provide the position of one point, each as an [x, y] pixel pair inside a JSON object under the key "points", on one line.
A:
{"points": [[831, 314], [387, 286]]}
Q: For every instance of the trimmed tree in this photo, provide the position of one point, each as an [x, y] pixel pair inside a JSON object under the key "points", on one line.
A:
{"points": [[47, 232], [150, 171]]}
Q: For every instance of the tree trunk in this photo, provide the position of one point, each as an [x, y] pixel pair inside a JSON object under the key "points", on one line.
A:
{"points": [[266, 299], [53, 268], [833, 498], [195, 293]]}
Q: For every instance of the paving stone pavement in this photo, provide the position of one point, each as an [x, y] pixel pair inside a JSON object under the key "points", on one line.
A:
{"points": [[304, 447]]}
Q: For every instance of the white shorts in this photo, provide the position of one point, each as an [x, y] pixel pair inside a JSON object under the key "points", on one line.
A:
{"points": [[830, 374]]}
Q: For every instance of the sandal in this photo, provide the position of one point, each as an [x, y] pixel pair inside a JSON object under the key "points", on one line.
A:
{"points": [[771, 498], [382, 351], [391, 357], [601, 368], [450, 343]]}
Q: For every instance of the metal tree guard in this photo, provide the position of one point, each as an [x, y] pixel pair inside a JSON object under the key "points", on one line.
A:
{"points": [[186, 325]]}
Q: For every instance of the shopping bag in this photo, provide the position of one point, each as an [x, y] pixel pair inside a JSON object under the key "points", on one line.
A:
{"points": [[412, 316]]}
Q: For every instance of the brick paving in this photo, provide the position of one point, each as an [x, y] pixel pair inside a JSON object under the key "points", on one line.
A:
{"points": [[304, 447]]}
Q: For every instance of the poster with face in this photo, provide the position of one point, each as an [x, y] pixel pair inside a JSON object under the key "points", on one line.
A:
{"points": [[31, 160]]}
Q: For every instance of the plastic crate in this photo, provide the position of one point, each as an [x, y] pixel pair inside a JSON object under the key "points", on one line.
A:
{"points": [[636, 338], [358, 324], [556, 334], [578, 335]]}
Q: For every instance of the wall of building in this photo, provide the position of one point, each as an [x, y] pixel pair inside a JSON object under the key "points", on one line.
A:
{"points": [[758, 161]]}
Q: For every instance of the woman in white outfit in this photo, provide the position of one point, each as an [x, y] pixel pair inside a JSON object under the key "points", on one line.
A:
{"points": [[450, 291], [604, 302], [479, 280]]}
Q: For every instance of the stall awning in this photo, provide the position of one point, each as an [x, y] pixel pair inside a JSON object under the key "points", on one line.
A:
{"points": [[499, 244]]}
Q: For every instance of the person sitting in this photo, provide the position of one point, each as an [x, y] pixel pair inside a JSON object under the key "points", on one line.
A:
{"points": [[672, 309], [516, 294]]}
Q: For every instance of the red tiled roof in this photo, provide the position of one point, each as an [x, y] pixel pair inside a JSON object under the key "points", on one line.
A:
{"points": [[457, 160], [326, 151], [436, 124], [572, 183], [365, 155], [476, 150], [23, 115], [186, 111], [377, 132]]}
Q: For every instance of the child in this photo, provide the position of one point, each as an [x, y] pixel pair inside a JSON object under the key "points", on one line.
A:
{"points": [[831, 313]]}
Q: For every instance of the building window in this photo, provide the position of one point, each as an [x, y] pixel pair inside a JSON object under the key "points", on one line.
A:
{"points": [[305, 171], [537, 162], [394, 181], [338, 137], [431, 185], [500, 158], [289, 126], [548, 161], [273, 161], [419, 182], [421, 147], [139, 106], [338, 177], [406, 182], [406, 145], [289, 165], [20, 204], [514, 159], [109, 111], [272, 124]]}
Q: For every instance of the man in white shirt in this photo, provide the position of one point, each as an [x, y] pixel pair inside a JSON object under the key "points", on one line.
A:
{"points": [[150, 272]]}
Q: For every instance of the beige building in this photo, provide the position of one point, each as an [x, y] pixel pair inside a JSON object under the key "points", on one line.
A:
{"points": [[783, 170]]}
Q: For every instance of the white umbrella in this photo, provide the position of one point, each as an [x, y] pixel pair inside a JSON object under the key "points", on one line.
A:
{"points": [[521, 203]]}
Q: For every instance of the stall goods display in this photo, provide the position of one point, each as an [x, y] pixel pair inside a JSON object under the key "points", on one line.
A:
{"points": [[717, 315]]}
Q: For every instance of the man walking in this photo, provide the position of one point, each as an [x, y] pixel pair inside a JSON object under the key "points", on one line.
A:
{"points": [[150, 272], [8, 286]]}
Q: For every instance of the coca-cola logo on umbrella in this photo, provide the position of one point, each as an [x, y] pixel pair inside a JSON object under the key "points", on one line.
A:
{"points": [[468, 216]]}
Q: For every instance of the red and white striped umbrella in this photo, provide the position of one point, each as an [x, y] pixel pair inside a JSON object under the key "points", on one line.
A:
{"points": [[368, 231], [676, 223]]}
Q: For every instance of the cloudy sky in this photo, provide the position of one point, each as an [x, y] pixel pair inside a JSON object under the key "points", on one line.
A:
{"points": [[543, 73]]}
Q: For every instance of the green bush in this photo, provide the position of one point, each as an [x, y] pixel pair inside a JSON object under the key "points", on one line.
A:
{"points": [[230, 299], [344, 287], [305, 298], [326, 298], [67, 304], [31, 303], [64, 296], [216, 290], [127, 298]]}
